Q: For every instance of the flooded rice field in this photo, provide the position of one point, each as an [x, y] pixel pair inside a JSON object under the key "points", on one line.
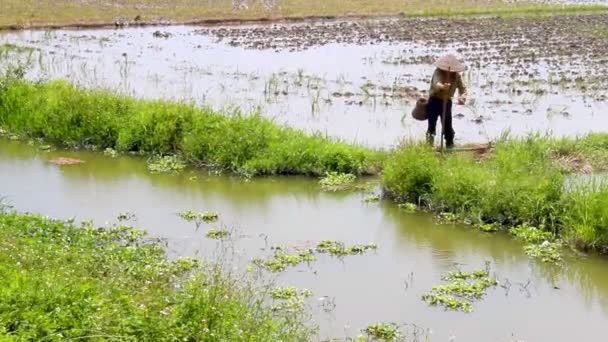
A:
{"points": [[354, 80], [533, 301]]}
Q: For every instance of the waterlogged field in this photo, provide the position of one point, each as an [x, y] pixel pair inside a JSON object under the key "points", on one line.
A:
{"points": [[354, 80], [389, 260], [332, 253]]}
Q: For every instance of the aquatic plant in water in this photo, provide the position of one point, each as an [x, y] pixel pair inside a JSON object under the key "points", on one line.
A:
{"points": [[409, 207], [218, 234], [165, 164], [192, 216], [462, 289], [289, 293], [383, 332], [335, 181], [547, 251], [372, 198], [281, 260], [540, 243], [339, 249], [289, 298], [530, 234], [110, 152], [487, 227]]}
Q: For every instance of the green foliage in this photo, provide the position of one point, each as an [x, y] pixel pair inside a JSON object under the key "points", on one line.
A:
{"points": [[334, 181], [281, 260], [518, 183], [288, 293], [462, 288], [408, 174], [383, 332], [531, 234], [586, 215], [59, 281], [110, 152], [372, 198], [409, 207], [192, 216], [339, 249], [246, 144], [547, 251], [218, 234], [165, 164]]}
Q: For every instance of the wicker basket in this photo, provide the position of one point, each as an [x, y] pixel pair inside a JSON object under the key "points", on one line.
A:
{"points": [[419, 111]]}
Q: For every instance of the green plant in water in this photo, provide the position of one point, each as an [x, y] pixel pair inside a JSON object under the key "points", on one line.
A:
{"points": [[540, 244], [530, 234], [383, 332], [409, 207], [462, 289], [192, 216], [218, 234], [289, 293], [339, 249], [110, 152], [281, 260], [548, 252], [487, 227], [165, 164], [372, 198], [334, 181]]}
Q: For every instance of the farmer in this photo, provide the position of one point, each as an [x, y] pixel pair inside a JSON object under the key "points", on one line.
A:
{"points": [[446, 79]]}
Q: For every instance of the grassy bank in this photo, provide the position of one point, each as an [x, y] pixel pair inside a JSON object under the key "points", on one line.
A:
{"points": [[62, 282], [521, 182], [246, 144], [25, 13]]}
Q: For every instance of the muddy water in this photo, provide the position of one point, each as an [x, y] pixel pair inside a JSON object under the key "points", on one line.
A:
{"points": [[353, 92], [568, 304]]}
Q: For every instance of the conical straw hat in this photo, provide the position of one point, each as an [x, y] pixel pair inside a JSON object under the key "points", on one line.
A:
{"points": [[449, 63]]}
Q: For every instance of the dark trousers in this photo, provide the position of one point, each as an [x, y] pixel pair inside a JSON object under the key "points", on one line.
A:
{"points": [[435, 111]]}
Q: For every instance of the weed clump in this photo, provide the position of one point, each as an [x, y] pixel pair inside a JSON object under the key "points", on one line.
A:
{"points": [[335, 181], [289, 293], [166, 164], [281, 260], [383, 332], [461, 290], [339, 249], [192, 216], [218, 234]]}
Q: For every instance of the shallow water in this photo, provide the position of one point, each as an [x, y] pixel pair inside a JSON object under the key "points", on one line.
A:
{"points": [[352, 92], [384, 286]]}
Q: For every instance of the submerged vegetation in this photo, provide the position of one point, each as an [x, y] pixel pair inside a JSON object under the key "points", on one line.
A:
{"points": [[61, 281]]}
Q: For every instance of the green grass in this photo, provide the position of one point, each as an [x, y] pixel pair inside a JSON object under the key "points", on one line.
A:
{"points": [[40, 13], [59, 281], [522, 182], [245, 144]]}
